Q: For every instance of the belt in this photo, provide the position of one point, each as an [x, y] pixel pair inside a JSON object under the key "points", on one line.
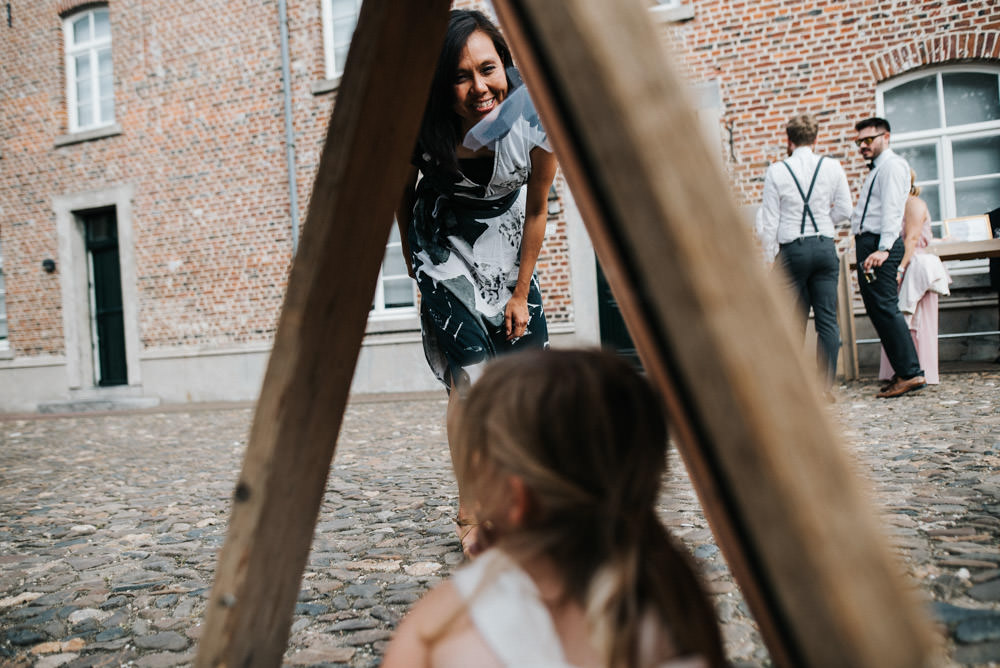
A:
{"points": [[805, 237]]}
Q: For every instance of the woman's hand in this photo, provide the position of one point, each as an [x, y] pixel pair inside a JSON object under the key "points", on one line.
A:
{"points": [[543, 170], [516, 317]]}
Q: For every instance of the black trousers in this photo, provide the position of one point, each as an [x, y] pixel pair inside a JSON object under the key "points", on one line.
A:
{"points": [[812, 267], [881, 298]]}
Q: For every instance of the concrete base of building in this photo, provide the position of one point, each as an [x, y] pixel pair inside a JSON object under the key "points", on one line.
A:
{"points": [[96, 405], [387, 363]]}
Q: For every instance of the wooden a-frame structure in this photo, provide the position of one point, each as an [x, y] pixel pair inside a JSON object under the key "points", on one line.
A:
{"points": [[712, 332]]}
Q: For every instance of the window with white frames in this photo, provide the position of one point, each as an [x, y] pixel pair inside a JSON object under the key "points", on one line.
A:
{"points": [[395, 293], [89, 84], [4, 343], [339, 19], [946, 123], [671, 10]]}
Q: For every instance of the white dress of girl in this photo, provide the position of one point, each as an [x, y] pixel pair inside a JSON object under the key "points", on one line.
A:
{"points": [[508, 612]]}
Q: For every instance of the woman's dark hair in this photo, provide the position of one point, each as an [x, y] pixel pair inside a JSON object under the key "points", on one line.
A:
{"points": [[441, 126]]}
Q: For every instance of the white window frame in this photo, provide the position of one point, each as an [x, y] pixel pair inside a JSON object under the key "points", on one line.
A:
{"points": [[669, 11], [4, 338], [334, 70], [379, 310], [942, 138], [91, 48]]}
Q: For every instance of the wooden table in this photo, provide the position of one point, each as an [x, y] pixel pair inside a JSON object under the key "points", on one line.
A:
{"points": [[957, 250]]}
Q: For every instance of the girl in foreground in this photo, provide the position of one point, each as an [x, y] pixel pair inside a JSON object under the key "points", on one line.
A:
{"points": [[563, 452]]}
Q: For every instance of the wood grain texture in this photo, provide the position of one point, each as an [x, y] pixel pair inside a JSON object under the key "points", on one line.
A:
{"points": [[966, 250], [792, 518], [299, 412], [845, 319], [621, 277]]}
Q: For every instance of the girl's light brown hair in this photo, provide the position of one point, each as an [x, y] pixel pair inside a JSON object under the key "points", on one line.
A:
{"points": [[586, 434]]}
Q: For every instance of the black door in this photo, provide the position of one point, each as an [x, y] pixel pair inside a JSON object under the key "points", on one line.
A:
{"points": [[614, 334], [106, 288]]}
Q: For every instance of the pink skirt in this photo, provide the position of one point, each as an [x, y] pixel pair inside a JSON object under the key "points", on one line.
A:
{"points": [[924, 330]]}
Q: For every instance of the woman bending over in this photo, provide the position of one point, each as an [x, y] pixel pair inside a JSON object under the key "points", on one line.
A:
{"points": [[472, 226]]}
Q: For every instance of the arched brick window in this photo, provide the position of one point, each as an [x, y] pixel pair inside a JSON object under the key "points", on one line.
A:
{"points": [[90, 98], [946, 122]]}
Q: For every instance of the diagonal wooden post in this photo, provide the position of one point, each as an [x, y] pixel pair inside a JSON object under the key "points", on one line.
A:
{"points": [[845, 317], [358, 182], [714, 335]]}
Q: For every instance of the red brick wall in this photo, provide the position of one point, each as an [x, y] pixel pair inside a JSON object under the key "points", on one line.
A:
{"points": [[30, 109], [774, 59], [198, 95]]}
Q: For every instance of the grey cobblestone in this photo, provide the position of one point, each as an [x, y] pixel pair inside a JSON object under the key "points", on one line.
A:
{"points": [[110, 525]]}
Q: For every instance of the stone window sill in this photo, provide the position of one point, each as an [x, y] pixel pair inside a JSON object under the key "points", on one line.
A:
{"points": [[89, 135], [325, 86], [386, 323], [664, 14]]}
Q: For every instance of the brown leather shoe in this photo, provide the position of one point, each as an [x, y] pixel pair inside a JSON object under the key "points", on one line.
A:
{"points": [[901, 387], [889, 383]]}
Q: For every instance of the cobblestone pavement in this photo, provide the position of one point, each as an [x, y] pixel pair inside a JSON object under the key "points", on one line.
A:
{"points": [[110, 525]]}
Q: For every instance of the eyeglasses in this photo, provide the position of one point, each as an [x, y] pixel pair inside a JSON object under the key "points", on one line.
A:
{"points": [[867, 141]]}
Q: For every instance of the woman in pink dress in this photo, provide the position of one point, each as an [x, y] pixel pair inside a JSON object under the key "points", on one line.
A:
{"points": [[921, 278]]}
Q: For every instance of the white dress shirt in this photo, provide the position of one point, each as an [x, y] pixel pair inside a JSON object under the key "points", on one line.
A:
{"points": [[779, 219], [889, 184]]}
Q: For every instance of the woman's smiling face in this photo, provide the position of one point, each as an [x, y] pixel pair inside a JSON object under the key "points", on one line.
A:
{"points": [[480, 80]]}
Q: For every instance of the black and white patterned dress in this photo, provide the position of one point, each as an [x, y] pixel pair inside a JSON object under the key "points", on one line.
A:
{"points": [[465, 242]]}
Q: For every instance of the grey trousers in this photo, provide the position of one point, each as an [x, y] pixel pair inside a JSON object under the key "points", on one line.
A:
{"points": [[812, 267]]}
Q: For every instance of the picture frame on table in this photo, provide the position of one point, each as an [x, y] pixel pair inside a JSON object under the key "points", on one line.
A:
{"points": [[965, 228]]}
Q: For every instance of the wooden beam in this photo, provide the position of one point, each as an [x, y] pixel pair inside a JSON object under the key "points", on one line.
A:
{"points": [[773, 477], [845, 317], [358, 182], [966, 250]]}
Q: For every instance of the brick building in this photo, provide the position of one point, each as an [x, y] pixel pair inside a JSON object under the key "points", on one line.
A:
{"points": [[155, 166], [930, 67], [149, 212]]}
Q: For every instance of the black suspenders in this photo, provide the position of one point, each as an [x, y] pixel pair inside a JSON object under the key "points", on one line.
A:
{"points": [[806, 211], [871, 188]]}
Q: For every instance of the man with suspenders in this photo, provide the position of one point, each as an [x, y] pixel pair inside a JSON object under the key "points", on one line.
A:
{"points": [[803, 197], [877, 225]]}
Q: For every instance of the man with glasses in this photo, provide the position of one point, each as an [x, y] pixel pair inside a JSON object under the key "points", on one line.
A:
{"points": [[803, 197], [876, 224]]}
